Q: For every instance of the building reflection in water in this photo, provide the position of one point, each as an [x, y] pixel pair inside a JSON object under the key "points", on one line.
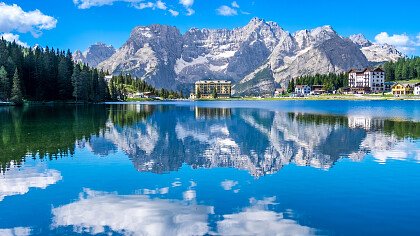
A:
{"points": [[212, 113]]}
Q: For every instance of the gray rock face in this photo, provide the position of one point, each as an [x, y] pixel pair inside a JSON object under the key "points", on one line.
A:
{"points": [[94, 55], [376, 52], [165, 58], [360, 40]]}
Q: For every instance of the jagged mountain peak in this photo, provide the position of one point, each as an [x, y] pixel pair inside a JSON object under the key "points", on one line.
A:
{"points": [[375, 52], [165, 58], [360, 40], [94, 54]]}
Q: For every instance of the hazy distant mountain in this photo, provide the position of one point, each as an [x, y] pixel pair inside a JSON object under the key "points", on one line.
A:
{"points": [[94, 55], [376, 52], [254, 57]]}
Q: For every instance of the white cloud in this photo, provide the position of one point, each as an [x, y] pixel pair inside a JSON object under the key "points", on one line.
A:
{"points": [[396, 39], [402, 42], [226, 11], [86, 4], [19, 181], [13, 37], [14, 18], [187, 5], [17, 231], [235, 4], [138, 4], [144, 5], [228, 184], [95, 212], [173, 12], [157, 5], [258, 220], [161, 5], [189, 195]]}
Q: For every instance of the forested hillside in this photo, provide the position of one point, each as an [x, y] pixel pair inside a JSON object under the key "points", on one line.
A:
{"points": [[38, 74], [403, 69]]}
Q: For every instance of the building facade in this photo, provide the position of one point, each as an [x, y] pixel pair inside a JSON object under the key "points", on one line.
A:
{"points": [[302, 90], [402, 89], [417, 89], [209, 88], [367, 80]]}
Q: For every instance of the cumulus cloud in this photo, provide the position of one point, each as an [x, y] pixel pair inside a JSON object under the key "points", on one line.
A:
{"points": [[18, 182], [17, 231], [14, 18], [226, 11], [258, 220], [402, 42], [228, 184], [187, 5], [173, 12], [96, 212], [396, 39], [13, 37]]}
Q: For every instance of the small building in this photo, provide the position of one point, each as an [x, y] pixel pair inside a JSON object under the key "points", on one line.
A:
{"points": [[402, 89], [302, 90], [367, 80], [193, 96], [209, 88], [318, 89], [417, 89], [149, 95], [279, 91]]}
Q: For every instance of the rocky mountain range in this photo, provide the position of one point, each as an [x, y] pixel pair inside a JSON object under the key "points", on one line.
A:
{"points": [[376, 52], [94, 55], [255, 57]]}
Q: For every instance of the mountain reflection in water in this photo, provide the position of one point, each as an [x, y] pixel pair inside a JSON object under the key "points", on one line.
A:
{"points": [[210, 169], [161, 138]]}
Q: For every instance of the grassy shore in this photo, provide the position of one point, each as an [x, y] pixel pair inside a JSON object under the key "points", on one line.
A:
{"points": [[367, 97]]}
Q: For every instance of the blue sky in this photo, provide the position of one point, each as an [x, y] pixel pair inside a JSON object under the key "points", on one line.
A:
{"points": [[76, 24]]}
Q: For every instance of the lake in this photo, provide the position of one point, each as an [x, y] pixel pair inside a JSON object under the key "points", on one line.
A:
{"points": [[211, 168]]}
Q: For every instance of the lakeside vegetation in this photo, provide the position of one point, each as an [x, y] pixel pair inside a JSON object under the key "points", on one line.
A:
{"points": [[329, 82], [405, 69]]}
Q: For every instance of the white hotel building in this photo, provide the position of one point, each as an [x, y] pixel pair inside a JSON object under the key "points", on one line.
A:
{"points": [[367, 80]]}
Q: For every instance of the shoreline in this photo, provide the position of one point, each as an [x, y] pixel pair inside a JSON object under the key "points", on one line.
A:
{"points": [[311, 98]]}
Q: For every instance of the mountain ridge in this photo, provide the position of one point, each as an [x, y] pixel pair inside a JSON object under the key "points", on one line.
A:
{"points": [[166, 58]]}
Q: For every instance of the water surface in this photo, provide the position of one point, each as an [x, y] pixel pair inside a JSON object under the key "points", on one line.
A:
{"points": [[218, 168]]}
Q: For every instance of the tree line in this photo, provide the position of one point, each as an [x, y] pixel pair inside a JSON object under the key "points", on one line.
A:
{"points": [[329, 81], [122, 85], [38, 74], [403, 69]]}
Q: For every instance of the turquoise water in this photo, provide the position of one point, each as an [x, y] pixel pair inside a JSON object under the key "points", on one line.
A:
{"points": [[211, 168]]}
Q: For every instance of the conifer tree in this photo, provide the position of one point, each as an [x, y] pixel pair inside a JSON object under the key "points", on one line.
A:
{"points": [[4, 84], [17, 97]]}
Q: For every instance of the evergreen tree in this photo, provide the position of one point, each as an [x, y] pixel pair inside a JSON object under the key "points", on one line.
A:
{"points": [[17, 97], [76, 81], [291, 86], [4, 84]]}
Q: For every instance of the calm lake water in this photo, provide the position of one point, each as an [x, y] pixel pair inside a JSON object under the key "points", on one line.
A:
{"points": [[211, 168]]}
